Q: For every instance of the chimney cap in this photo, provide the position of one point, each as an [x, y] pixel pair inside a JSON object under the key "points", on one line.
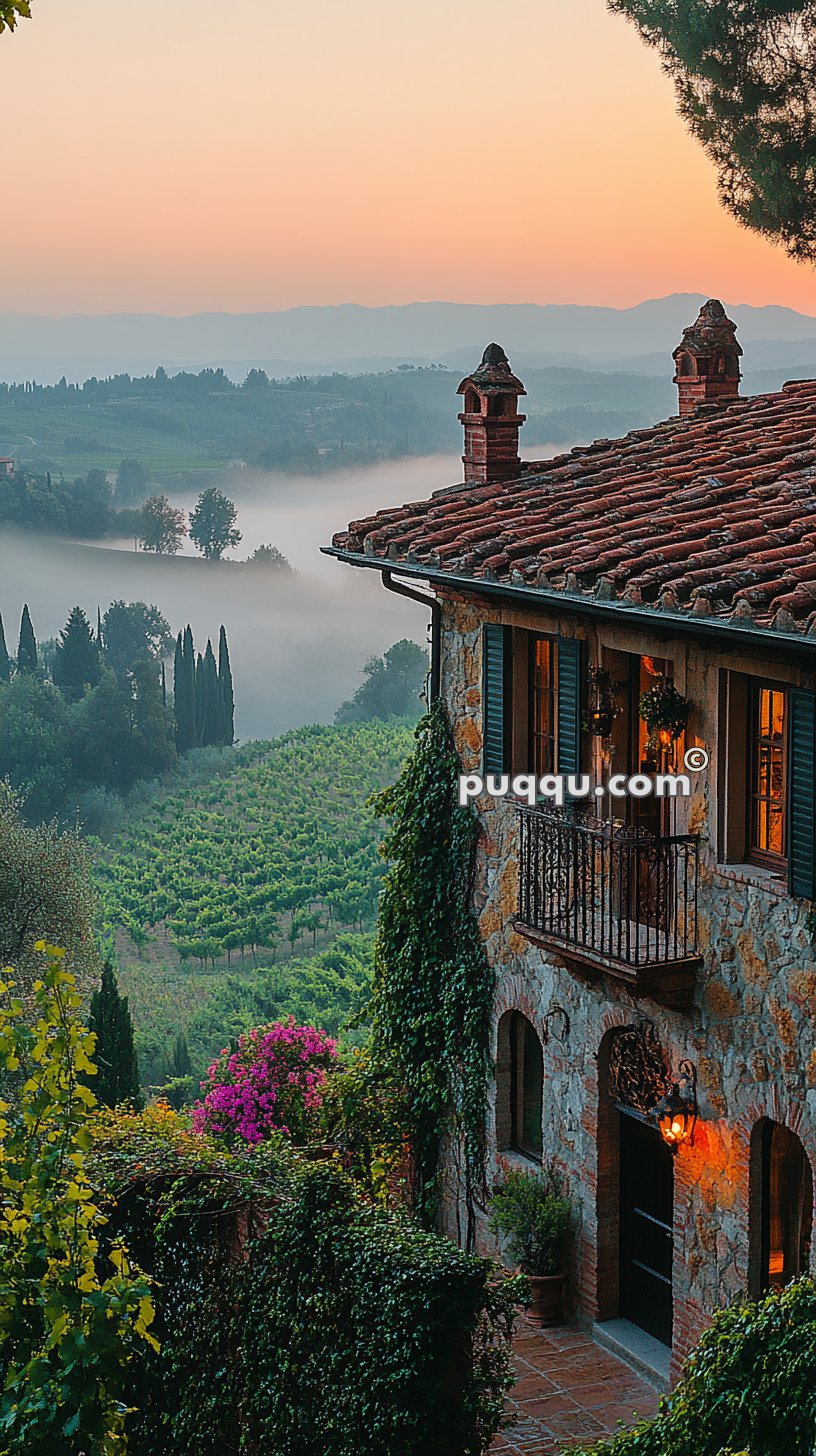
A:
{"points": [[493, 374], [712, 331]]}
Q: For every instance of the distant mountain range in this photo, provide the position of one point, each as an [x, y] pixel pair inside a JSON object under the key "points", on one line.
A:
{"points": [[356, 339]]}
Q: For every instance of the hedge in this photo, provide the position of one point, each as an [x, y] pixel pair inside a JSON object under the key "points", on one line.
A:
{"points": [[294, 1318], [748, 1387]]}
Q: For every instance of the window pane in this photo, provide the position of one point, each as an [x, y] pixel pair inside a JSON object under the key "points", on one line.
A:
{"points": [[767, 771]]}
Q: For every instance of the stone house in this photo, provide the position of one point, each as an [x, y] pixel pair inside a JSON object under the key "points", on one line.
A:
{"points": [[642, 943]]}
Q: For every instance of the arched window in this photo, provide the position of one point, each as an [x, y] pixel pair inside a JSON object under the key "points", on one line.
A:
{"points": [[781, 1206], [519, 1086]]}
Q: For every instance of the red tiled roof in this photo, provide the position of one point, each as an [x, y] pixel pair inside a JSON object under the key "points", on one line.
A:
{"points": [[714, 515]]}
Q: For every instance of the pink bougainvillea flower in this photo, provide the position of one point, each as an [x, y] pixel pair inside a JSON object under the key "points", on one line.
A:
{"points": [[270, 1083]]}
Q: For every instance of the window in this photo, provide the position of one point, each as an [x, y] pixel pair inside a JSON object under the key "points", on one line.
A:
{"points": [[519, 1086], [781, 1207], [543, 668], [766, 774]]}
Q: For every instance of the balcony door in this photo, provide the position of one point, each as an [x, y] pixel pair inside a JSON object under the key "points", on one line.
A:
{"points": [[646, 1226]]}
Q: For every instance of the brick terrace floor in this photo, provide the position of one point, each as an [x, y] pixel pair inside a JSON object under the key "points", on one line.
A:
{"points": [[569, 1391]]}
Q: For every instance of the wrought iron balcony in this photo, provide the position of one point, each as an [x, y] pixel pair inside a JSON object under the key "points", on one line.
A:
{"points": [[611, 897]]}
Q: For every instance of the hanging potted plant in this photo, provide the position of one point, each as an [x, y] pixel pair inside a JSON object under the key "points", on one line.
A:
{"points": [[665, 712], [535, 1218], [601, 709]]}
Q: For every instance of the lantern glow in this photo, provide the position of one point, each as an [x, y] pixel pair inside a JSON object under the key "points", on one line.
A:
{"points": [[676, 1113]]}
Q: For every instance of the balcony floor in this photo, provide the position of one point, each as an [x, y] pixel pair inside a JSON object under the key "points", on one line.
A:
{"points": [[646, 958]]}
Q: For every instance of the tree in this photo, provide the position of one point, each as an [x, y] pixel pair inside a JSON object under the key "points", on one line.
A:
{"points": [[131, 630], [181, 706], [151, 750], [212, 524], [131, 482], [212, 716], [391, 687], [162, 527], [5, 660], [73, 1312], [34, 751], [189, 656], [744, 73], [27, 644], [226, 689], [76, 660], [45, 888], [117, 1078], [99, 734], [88, 507], [10, 10], [268, 555]]}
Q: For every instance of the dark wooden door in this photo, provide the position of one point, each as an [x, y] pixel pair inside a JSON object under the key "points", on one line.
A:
{"points": [[646, 1217]]}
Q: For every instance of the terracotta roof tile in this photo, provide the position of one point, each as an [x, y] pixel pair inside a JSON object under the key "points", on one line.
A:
{"points": [[713, 512]]}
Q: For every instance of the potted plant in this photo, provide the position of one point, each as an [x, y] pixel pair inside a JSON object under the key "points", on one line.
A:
{"points": [[665, 712], [534, 1216], [601, 709]]}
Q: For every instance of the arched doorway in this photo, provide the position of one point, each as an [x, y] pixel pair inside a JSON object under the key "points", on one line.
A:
{"points": [[635, 1185], [781, 1207], [519, 1086]]}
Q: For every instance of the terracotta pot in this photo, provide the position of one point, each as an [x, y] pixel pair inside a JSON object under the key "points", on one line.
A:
{"points": [[547, 1302]]}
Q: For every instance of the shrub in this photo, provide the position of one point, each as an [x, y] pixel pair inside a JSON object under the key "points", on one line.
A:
{"points": [[270, 1083], [535, 1217], [750, 1386], [294, 1318], [70, 1318]]}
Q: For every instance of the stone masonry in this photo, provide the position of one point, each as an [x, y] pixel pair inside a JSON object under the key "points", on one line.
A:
{"points": [[750, 1030]]}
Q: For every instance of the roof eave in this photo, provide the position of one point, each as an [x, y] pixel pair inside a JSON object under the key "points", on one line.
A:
{"points": [[728, 635]]}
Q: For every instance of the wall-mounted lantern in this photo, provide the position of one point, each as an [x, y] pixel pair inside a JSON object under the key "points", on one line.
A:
{"points": [[601, 703], [676, 1113]]}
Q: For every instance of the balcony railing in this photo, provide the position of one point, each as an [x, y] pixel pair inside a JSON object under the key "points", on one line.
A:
{"points": [[610, 895]]}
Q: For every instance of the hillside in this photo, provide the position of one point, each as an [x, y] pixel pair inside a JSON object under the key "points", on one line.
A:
{"points": [[197, 425], [270, 863]]}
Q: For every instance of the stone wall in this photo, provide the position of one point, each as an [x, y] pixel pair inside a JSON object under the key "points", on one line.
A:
{"points": [[751, 1031]]}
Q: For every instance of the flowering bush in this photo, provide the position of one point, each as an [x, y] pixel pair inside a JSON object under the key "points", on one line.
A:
{"points": [[271, 1083]]}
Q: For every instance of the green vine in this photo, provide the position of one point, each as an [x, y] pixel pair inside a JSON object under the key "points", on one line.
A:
{"points": [[433, 987]]}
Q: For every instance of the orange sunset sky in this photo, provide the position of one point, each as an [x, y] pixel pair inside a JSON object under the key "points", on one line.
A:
{"points": [[199, 155]]}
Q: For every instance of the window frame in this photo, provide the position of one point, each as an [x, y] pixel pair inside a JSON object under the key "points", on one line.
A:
{"points": [[534, 693], [754, 855]]}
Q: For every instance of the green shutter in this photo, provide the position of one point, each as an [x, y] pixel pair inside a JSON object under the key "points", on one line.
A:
{"points": [[495, 697], [802, 793], [568, 709]]}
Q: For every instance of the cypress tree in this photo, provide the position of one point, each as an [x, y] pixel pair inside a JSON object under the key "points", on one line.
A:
{"points": [[27, 645], [164, 685], [100, 646], [190, 732], [180, 1062], [117, 1078], [5, 660], [179, 704], [212, 723], [225, 684], [200, 696], [76, 660]]}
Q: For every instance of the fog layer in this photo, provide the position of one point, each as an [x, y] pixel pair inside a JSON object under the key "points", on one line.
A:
{"points": [[297, 641]]}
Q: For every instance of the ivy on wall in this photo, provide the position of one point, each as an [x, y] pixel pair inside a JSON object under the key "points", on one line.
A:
{"points": [[433, 987]]}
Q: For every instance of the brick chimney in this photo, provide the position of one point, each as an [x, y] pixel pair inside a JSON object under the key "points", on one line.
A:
{"points": [[491, 419], [707, 360]]}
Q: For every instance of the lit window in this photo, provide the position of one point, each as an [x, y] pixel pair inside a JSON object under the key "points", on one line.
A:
{"points": [[767, 775], [543, 668]]}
